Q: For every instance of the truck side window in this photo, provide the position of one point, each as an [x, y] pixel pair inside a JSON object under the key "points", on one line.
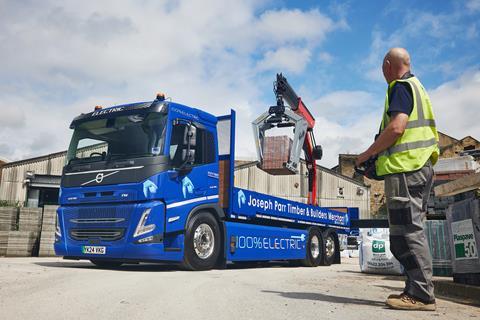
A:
{"points": [[204, 148], [177, 144]]}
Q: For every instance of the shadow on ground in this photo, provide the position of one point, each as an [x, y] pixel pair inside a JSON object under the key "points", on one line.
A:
{"points": [[382, 276], [327, 298], [155, 267]]}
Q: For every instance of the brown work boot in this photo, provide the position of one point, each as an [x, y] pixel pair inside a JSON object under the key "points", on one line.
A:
{"points": [[395, 296], [406, 302]]}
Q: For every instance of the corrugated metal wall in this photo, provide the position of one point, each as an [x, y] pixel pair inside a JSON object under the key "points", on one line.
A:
{"points": [[12, 187], [333, 190]]}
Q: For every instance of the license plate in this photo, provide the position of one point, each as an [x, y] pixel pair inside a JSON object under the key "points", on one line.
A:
{"points": [[94, 250]]}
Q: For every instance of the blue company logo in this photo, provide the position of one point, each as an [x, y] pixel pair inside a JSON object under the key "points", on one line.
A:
{"points": [[301, 238], [187, 186], [241, 198], [149, 188]]}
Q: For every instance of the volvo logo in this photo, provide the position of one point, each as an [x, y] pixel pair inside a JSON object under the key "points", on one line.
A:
{"points": [[99, 177]]}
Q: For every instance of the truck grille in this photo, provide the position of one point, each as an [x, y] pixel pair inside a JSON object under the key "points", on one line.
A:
{"points": [[100, 234]]}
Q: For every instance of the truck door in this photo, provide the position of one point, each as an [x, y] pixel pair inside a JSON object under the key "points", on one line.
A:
{"points": [[193, 155]]}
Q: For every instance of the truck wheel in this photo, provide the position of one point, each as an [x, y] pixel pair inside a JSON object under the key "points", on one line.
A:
{"points": [[106, 263], [202, 242], [331, 247], [314, 248]]}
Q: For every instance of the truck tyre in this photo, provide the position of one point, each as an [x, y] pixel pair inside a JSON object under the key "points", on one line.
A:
{"points": [[331, 247], [202, 242], [314, 248], [106, 263]]}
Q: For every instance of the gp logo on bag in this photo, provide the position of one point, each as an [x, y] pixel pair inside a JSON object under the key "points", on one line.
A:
{"points": [[378, 246]]}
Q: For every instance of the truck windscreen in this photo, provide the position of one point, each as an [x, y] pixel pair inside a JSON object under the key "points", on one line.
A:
{"points": [[122, 137]]}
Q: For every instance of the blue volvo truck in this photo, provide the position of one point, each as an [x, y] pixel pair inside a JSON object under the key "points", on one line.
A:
{"points": [[154, 182]]}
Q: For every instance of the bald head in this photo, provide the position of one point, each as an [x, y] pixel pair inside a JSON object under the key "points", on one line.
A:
{"points": [[395, 64]]}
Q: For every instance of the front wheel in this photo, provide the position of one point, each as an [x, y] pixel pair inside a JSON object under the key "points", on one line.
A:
{"points": [[314, 248], [202, 242]]}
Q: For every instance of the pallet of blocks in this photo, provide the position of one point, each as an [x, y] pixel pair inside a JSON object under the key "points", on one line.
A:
{"points": [[21, 243], [3, 243], [8, 218], [47, 236], [30, 219]]}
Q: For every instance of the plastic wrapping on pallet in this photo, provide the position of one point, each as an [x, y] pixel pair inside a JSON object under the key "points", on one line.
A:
{"points": [[464, 227], [375, 254], [276, 152], [436, 232]]}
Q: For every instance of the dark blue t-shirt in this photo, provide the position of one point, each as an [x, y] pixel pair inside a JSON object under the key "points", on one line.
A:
{"points": [[401, 97]]}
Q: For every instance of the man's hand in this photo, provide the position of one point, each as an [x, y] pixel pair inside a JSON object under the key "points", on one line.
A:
{"points": [[362, 158]]}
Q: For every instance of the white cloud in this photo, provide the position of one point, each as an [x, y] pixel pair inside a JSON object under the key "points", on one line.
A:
{"points": [[291, 59], [473, 5], [61, 59], [325, 57], [457, 107]]}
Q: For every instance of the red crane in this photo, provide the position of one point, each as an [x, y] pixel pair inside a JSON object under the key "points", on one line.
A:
{"points": [[296, 115]]}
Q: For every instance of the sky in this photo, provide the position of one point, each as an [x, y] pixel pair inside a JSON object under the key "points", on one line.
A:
{"points": [[61, 58]]}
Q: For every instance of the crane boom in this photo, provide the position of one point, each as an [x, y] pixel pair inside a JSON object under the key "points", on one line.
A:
{"points": [[295, 115]]}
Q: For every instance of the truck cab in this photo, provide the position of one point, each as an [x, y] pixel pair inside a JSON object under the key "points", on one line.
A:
{"points": [[134, 174]]}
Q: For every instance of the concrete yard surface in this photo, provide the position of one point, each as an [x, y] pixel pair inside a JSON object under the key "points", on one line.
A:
{"points": [[52, 288]]}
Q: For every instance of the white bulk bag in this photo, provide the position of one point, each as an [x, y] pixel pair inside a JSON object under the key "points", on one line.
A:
{"points": [[375, 255]]}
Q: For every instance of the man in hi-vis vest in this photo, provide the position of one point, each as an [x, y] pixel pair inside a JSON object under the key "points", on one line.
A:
{"points": [[406, 149]]}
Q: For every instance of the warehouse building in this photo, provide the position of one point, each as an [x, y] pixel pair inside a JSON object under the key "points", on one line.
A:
{"points": [[35, 182]]}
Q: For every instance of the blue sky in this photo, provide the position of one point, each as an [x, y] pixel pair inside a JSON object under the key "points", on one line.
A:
{"points": [[60, 59]]}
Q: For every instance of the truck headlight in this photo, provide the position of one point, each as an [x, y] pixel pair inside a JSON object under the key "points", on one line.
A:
{"points": [[141, 227], [58, 231]]}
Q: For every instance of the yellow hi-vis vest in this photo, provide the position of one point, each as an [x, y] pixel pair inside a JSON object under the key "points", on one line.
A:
{"points": [[418, 143]]}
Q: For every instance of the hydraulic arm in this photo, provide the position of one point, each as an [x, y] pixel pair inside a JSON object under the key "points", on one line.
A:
{"points": [[294, 114]]}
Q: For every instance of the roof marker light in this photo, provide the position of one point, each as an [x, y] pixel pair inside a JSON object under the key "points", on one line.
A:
{"points": [[98, 107]]}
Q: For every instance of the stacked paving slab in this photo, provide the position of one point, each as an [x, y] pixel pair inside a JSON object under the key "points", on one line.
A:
{"points": [[47, 237], [21, 243], [8, 222]]}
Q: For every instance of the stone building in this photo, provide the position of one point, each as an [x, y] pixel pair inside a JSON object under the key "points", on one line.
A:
{"points": [[449, 147]]}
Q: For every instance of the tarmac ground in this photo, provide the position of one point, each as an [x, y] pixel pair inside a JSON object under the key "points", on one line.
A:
{"points": [[52, 288]]}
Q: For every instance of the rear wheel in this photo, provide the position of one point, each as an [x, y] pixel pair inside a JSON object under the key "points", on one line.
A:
{"points": [[314, 248], [331, 247], [202, 242], [106, 263]]}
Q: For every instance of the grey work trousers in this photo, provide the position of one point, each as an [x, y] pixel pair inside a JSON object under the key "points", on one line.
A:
{"points": [[407, 196]]}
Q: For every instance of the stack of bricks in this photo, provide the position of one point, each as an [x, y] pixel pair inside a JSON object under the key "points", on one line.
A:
{"points": [[47, 237], [276, 152]]}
